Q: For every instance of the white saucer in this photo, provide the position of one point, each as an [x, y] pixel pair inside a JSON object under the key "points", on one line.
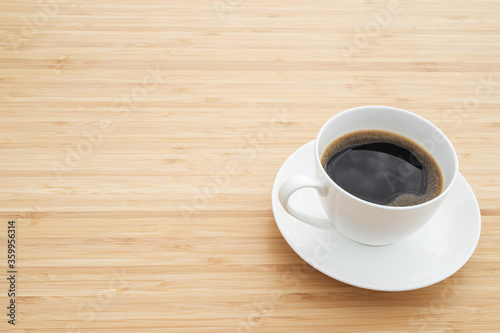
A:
{"points": [[429, 256]]}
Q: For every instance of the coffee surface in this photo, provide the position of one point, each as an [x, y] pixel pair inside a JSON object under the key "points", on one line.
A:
{"points": [[383, 168]]}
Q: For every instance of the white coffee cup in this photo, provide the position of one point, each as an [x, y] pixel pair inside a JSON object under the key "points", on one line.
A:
{"points": [[360, 220]]}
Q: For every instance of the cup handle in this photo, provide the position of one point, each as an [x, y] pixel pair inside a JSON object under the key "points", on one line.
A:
{"points": [[296, 183]]}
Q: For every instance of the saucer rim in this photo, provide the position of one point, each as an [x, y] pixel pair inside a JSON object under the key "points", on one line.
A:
{"points": [[460, 177]]}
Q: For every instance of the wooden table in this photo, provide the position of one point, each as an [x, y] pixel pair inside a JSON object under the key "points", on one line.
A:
{"points": [[140, 140]]}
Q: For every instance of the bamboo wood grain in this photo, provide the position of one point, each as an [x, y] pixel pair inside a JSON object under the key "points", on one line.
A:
{"points": [[116, 115]]}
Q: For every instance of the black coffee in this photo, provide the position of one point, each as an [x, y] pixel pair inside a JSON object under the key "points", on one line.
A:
{"points": [[384, 168]]}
